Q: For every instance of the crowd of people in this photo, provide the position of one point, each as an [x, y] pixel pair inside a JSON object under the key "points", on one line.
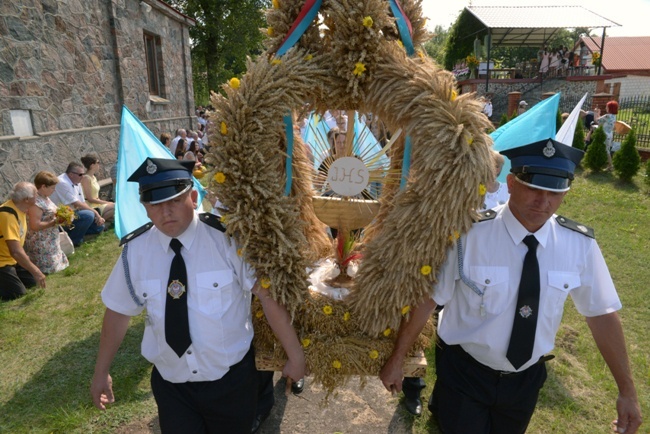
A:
{"points": [[198, 334]]}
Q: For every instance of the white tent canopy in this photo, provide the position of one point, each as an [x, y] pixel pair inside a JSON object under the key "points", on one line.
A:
{"points": [[517, 26]]}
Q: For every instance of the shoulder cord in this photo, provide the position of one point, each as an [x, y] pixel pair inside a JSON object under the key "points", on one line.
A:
{"points": [[471, 285], [127, 276]]}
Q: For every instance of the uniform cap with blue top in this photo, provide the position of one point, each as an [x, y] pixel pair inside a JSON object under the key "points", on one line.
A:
{"points": [[163, 179], [545, 165]]}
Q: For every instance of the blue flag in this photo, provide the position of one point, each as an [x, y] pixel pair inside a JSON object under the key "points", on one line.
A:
{"points": [[137, 143], [536, 124]]}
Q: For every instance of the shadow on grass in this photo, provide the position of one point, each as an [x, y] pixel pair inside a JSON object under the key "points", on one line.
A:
{"points": [[57, 398], [601, 178], [555, 396]]}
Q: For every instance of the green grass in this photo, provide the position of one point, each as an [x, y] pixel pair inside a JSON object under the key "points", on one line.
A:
{"points": [[49, 338]]}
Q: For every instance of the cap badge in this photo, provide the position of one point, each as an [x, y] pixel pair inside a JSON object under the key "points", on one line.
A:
{"points": [[582, 229], [549, 150], [176, 289], [151, 167], [525, 311]]}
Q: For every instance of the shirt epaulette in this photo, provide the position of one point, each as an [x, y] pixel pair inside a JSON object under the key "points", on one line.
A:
{"points": [[575, 226], [212, 221], [486, 215], [136, 233]]}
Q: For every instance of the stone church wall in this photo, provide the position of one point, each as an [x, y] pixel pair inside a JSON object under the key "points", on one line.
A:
{"points": [[71, 65]]}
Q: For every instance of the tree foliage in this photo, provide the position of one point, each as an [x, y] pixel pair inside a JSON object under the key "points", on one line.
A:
{"points": [[627, 160], [436, 47], [596, 157], [226, 32], [460, 42], [579, 137]]}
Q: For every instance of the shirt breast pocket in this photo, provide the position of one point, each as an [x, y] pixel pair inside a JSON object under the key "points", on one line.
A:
{"points": [[152, 293], [493, 281], [560, 283], [215, 290]]}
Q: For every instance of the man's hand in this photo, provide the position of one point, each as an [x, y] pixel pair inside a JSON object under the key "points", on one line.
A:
{"points": [[99, 220], [40, 278], [629, 415], [101, 391], [392, 374], [294, 370]]}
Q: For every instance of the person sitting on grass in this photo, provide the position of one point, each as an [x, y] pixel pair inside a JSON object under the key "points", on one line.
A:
{"points": [[17, 272], [68, 191]]}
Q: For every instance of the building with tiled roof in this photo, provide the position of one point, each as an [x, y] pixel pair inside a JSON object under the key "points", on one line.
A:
{"points": [[626, 59]]}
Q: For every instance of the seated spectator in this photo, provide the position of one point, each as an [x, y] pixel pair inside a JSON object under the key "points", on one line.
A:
{"points": [[166, 140], [42, 243], [91, 188], [181, 149], [196, 151], [17, 272], [68, 191], [181, 134]]}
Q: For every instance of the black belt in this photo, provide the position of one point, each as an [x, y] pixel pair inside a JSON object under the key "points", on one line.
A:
{"points": [[457, 349]]}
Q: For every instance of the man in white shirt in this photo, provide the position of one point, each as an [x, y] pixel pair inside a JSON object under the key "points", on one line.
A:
{"points": [[485, 384], [68, 191], [207, 382]]}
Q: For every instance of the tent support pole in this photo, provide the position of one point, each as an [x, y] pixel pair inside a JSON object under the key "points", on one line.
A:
{"points": [[487, 72]]}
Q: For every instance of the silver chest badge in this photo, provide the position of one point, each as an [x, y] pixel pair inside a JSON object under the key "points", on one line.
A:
{"points": [[549, 150], [176, 289], [151, 167], [525, 311]]}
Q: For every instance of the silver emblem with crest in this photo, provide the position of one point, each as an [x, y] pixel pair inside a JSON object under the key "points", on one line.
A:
{"points": [[549, 150], [525, 311], [151, 167]]}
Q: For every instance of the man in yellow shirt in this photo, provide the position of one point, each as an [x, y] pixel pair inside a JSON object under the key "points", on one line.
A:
{"points": [[17, 272]]}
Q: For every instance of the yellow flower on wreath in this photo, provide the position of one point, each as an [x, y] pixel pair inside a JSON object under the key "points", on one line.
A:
{"points": [[453, 95], [373, 354], [220, 177], [368, 22], [223, 128], [276, 4], [270, 31], [265, 282], [276, 62], [425, 270], [336, 364], [327, 310], [454, 236], [482, 189], [234, 83], [387, 332], [259, 314], [359, 69], [406, 309], [239, 252], [309, 57], [346, 316], [305, 342]]}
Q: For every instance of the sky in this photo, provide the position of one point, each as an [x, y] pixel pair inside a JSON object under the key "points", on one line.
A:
{"points": [[631, 14]]}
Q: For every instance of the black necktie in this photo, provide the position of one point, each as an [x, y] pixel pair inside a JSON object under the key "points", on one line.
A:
{"points": [[177, 326], [522, 340]]}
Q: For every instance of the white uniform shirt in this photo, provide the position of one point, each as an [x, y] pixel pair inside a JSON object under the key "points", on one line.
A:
{"points": [[499, 197], [219, 300], [66, 192], [493, 256]]}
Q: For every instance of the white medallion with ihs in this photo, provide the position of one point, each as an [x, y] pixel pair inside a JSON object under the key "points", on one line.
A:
{"points": [[348, 176]]}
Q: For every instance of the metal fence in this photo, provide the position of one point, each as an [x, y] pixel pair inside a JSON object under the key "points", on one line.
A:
{"points": [[634, 111]]}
